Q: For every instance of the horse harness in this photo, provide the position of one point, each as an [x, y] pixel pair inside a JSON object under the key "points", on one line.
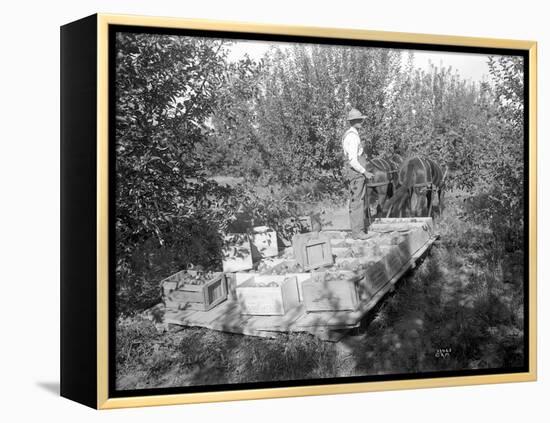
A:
{"points": [[390, 171], [430, 186]]}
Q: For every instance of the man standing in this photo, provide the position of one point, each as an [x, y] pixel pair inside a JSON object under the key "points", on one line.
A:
{"points": [[356, 174]]}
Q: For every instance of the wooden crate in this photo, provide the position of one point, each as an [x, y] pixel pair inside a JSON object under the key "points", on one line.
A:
{"points": [[418, 237], [269, 264], [263, 242], [327, 292], [236, 253], [404, 224], [269, 295], [182, 296], [412, 239], [336, 220], [312, 250], [358, 250], [285, 267], [360, 255], [278, 266], [305, 223]]}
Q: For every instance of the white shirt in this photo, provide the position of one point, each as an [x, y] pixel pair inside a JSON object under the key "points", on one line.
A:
{"points": [[353, 149]]}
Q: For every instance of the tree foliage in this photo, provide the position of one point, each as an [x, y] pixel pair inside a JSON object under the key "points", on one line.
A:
{"points": [[500, 193], [166, 90], [301, 108]]}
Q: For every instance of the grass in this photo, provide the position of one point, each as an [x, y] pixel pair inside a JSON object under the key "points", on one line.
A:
{"points": [[197, 356], [461, 309]]}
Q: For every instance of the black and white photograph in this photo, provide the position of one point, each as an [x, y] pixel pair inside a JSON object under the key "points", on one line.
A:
{"points": [[290, 211]]}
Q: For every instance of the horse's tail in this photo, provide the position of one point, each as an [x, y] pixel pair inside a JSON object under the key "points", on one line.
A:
{"points": [[442, 187], [399, 194], [444, 174], [398, 201], [409, 175]]}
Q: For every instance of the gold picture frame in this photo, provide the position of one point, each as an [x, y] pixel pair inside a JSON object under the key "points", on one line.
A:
{"points": [[98, 27]]}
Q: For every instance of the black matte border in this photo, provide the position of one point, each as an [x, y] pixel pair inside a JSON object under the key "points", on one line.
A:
{"points": [[113, 29]]}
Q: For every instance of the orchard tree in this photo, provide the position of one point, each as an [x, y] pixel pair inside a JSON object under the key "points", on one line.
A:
{"points": [[232, 147], [503, 153], [167, 212], [306, 92]]}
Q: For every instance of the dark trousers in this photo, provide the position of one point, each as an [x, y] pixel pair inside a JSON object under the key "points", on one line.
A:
{"points": [[358, 199]]}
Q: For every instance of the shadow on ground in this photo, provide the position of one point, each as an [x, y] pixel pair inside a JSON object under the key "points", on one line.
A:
{"points": [[50, 387]]}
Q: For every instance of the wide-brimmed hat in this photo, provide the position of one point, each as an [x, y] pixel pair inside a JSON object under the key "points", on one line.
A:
{"points": [[355, 114]]}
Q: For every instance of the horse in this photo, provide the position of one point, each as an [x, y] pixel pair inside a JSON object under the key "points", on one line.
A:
{"points": [[382, 186], [437, 186], [391, 165], [418, 179]]}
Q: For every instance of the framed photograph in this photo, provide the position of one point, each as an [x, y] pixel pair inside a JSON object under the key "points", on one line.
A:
{"points": [[256, 211]]}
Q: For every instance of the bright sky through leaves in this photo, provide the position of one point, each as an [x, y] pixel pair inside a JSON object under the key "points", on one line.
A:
{"points": [[469, 66]]}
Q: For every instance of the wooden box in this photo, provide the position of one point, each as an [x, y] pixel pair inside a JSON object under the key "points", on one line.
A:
{"points": [[267, 295], [345, 289], [236, 253], [289, 268], [279, 266], [184, 296], [335, 291], [312, 250], [305, 223], [263, 242]]}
